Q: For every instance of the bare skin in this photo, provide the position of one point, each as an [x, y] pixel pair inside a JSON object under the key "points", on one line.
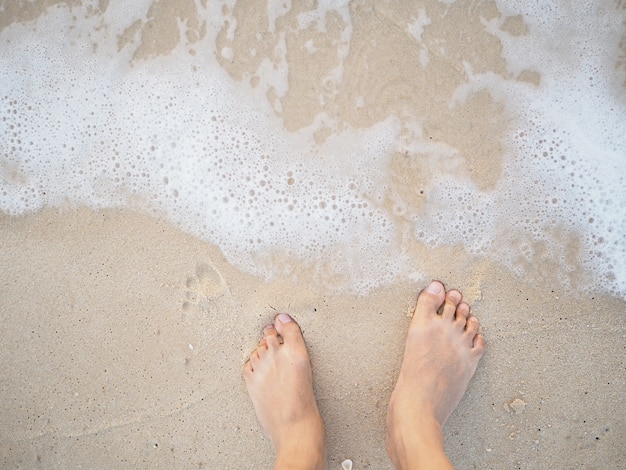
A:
{"points": [[441, 355], [279, 380], [442, 351]]}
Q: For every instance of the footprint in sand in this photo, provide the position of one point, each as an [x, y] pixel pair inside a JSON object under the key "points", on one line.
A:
{"points": [[205, 286]]}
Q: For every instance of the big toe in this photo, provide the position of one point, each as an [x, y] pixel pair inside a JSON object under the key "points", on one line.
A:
{"points": [[430, 299], [288, 329]]}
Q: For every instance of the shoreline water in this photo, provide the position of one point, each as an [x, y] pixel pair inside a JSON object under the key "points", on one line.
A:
{"points": [[529, 164]]}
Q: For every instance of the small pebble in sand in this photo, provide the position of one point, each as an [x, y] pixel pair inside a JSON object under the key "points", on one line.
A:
{"points": [[346, 464]]}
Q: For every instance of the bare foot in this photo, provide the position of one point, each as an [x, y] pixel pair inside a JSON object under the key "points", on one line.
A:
{"points": [[442, 351], [279, 380]]}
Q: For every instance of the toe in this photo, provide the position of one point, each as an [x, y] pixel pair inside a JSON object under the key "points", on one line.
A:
{"points": [[261, 349], [430, 299], [247, 369], [269, 330], [271, 336], [288, 328], [479, 343], [451, 301], [462, 312], [471, 328], [255, 359]]}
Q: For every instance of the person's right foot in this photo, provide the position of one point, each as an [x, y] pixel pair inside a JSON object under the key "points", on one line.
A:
{"points": [[442, 351]]}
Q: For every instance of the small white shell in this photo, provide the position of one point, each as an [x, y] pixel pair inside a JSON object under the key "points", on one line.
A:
{"points": [[346, 464]]}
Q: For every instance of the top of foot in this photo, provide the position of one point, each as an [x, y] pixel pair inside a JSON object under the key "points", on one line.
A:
{"points": [[279, 380], [442, 352]]}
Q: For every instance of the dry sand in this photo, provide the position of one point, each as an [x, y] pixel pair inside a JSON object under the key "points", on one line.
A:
{"points": [[123, 338]]}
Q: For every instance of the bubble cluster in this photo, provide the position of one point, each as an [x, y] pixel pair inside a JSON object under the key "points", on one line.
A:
{"points": [[193, 151], [178, 139], [561, 203]]}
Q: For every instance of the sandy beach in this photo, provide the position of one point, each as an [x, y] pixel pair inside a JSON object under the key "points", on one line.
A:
{"points": [[129, 300]]}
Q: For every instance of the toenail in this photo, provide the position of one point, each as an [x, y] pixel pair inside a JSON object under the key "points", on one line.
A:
{"points": [[434, 288], [269, 326], [454, 295], [284, 318]]}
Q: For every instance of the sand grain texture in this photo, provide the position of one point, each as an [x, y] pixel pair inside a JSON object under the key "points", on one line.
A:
{"points": [[99, 311]]}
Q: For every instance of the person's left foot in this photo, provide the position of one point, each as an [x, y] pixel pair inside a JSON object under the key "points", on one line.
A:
{"points": [[279, 380]]}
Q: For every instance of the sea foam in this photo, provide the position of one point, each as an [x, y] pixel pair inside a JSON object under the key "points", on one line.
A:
{"points": [[177, 137]]}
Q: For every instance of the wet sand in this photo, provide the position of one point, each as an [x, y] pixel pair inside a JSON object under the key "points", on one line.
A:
{"points": [[123, 341], [123, 338]]}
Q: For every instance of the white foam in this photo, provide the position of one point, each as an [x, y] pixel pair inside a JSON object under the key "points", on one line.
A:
{"points": [[190, 147], [566, 178], [211, 156]]}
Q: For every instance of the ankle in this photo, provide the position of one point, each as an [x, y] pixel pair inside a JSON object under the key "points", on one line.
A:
{"points": [[298, 460], [417, 445], [301, 457], [303, 451]]}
